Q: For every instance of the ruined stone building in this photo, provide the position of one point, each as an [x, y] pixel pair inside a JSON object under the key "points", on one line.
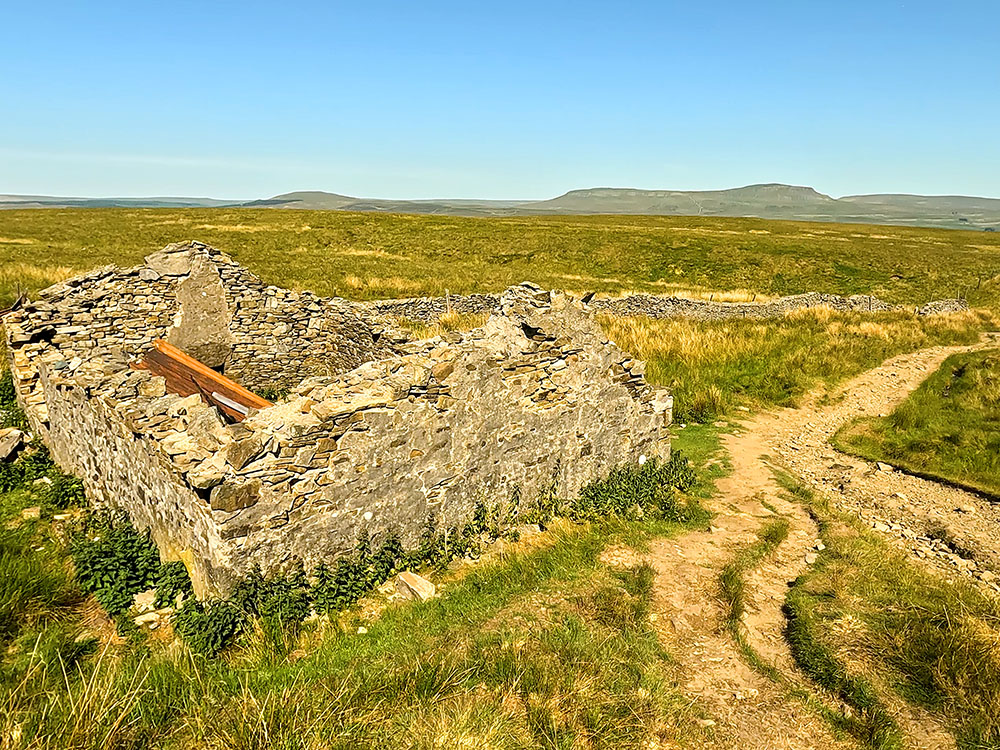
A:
{"points": [[378, 433]]}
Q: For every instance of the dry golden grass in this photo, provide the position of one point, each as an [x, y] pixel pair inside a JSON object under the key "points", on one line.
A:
{"points": [[701, 293], [235, 227], [819, 314], [360, 252], [380, 286], [93, 709], [449, 321], [714, 366], [26, 276]]}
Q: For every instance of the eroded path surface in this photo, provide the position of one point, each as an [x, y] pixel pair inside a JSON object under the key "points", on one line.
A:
{"points": [[956, 532], [748, 709]]}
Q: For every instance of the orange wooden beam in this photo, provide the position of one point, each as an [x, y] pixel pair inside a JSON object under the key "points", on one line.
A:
{"points": [[186, 376]]}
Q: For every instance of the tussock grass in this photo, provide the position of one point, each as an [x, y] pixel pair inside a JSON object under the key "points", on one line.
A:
{"points": [[446, 323], [703, 293], [732, 585], [864, 621], [365, 256], [36, 580], [712, 367], [949, 428], [36, 583], [21, 276], [542, 647]]}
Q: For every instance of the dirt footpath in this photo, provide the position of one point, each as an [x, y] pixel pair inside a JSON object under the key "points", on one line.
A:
{"points": [[748, 710], [955, 531]]}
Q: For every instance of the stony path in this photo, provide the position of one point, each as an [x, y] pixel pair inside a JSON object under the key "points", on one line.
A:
{"points": [[748, 710], [954, 531]]}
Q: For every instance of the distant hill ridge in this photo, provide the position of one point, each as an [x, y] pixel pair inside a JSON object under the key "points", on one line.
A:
{"points": [[766, 201]]}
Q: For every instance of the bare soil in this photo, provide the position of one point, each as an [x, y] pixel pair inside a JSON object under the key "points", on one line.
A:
{"points": [[747, 709]]}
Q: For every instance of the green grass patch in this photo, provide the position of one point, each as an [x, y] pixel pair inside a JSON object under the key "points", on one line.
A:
{"points": [[948, 429], [37, 585], [732, 583], [542, 648], [702, 445], [36, 582]]}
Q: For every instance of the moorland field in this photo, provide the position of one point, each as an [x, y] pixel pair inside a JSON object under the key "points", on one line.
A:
{"points": [[542, 642], [368, 256], [713, 367]]}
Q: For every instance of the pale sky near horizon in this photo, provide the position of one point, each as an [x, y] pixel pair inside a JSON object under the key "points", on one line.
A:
{"points": [[514, 100]]}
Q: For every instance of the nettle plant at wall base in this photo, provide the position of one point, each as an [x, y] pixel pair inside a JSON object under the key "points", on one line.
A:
{"points": [[115, 561], [632, 491], [646, 491]]}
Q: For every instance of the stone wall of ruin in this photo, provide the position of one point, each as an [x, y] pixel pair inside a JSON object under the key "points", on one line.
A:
{"points": [[125, 462], [536, 399]]}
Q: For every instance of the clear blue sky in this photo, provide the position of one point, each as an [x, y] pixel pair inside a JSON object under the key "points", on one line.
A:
{"points": [[498, 100]]}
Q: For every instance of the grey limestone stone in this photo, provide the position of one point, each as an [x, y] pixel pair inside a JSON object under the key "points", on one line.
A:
{"points": [[233, 496]]}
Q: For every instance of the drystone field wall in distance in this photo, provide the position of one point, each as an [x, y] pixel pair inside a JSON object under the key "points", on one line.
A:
{"points": [[430, 309], [379, 434]]}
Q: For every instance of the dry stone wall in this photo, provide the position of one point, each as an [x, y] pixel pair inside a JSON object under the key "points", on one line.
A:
{"points": [[943, 307], [430, 309], [379, 434], [653, 306]]}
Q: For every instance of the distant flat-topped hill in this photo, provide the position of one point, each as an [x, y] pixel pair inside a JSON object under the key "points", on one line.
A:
{"points": [[755, 200], [766, 201]]}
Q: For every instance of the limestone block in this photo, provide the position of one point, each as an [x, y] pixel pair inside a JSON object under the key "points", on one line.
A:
{"points": [[207, 474], [208, 429], [202, 325], [11, 439], [169, 262], [415, 587], [242, 452], [232, 496], [144, 601]]}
